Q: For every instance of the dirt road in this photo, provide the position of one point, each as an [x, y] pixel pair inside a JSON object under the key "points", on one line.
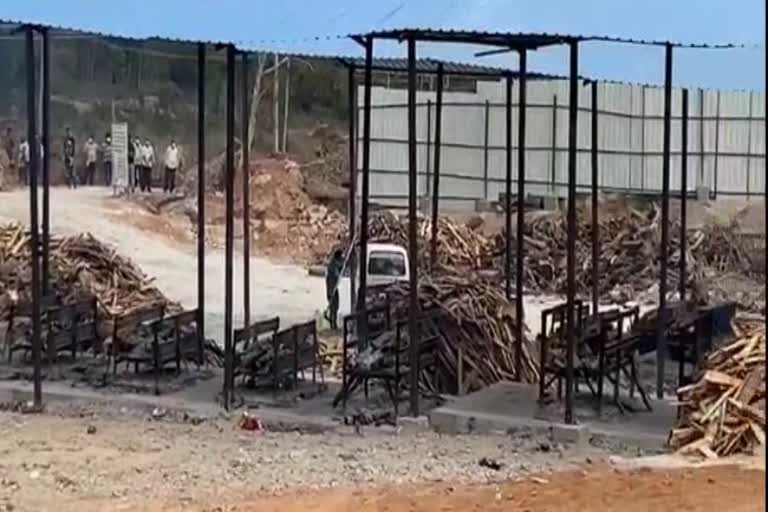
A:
{"points": [[285, 290], [95, 460]]}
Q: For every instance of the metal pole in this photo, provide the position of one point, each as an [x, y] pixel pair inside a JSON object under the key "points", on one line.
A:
{"points": [[361, 305], [413, 292], [595, 225], [244, 118], [573, 113], [486, 136], [352, 111], [684, 196], [429, 144], [661, 334], [46, 135], [201, 54], [436, 170], [553, 178], [702, 147], [229, 244], [642, 139], [717, 144], [519, 310], [34, 153], [508, 195], [631, 142], [749, 142]]}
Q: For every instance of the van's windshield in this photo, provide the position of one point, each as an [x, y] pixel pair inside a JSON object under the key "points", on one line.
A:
{"points": [[386, 263]]}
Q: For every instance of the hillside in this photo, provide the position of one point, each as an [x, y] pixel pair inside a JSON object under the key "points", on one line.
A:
{"points": [[153, 86]]}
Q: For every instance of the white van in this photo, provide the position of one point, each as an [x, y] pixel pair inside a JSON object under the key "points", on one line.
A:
{"points": [[386, 264]]}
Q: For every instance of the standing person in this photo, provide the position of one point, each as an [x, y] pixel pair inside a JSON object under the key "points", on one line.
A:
{"points": [[131, 162], [332, 276], [91, 156], [24, 162], [172, 163], [135, 146], [141, 163], [106, 155], [148, 153], [69, 159]]}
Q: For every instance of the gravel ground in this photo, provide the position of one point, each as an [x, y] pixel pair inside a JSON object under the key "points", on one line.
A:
{"points": [[70, 454]]}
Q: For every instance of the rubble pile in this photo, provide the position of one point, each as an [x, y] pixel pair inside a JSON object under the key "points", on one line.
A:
{"points": [[723, 413], [286, 221], [80, 265], [326, 178]]}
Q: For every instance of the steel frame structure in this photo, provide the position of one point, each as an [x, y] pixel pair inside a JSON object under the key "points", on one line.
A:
{"points": [[501, 42], [522, 44]]}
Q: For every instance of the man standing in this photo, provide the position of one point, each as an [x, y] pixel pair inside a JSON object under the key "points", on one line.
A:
{"points": [[24, 162], [134, 161], [148, 156], [91, 156], [172, 161], [106, 155], [69, 159], [332, 276]]}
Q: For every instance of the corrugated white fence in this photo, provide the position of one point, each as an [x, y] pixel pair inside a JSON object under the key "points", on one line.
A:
{"points": [[726, 141]]}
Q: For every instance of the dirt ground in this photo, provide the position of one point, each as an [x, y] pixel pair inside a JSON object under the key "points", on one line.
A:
{"points": [[165, 252], [99, 460], [598, 490]]}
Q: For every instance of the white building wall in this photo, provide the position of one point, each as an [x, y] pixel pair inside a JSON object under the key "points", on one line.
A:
{"points": [[726, 141]]}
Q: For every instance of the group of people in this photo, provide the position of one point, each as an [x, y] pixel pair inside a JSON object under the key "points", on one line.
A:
{"points": [[141, 161], [94, 153], [19, 156]]}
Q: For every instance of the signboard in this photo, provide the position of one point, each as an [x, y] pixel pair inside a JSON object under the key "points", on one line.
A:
{"points": [[120, 156]]}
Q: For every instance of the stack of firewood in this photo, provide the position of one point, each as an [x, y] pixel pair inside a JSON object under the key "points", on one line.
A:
{"points": [[459, 246], [629, 256], [79, 265], [477, 325], [723, 413], [630, 253]]}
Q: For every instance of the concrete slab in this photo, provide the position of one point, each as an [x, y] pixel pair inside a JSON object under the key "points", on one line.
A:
{"points": [[508, 406]]}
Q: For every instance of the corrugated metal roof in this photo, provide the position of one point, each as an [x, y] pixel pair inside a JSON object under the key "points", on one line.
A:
{"points": [[501, 39], [429, 66], [522, 39]]}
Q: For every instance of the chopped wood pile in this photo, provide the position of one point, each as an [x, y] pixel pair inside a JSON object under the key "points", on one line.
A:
{"points": [[629, 253], [459, 246], [723, 413], [80, 265], [477, 324]]}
